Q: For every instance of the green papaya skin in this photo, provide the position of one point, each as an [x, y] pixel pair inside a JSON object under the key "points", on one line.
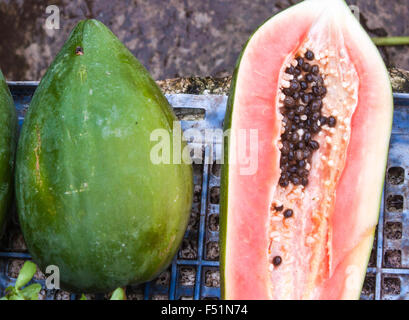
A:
{"points": [[8, 142], [90, 200]]}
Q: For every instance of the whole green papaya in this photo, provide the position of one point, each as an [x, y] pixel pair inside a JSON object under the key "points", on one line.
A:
{"points": [[8, 142], [90, 200]]}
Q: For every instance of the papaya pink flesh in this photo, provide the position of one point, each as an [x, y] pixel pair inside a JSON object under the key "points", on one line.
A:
{"points": [[342, 250]]}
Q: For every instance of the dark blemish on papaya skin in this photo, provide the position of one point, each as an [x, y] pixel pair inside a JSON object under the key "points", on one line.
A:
{"points": [[79, 51]]}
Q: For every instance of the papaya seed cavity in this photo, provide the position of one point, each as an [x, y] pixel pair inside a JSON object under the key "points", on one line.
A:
{"points": [[302, 118]]}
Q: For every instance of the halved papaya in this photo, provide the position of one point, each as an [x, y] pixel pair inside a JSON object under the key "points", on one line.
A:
{"points": [[300, 224]]}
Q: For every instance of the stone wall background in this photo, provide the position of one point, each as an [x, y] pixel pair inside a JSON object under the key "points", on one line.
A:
{"points": [[172, 38]]}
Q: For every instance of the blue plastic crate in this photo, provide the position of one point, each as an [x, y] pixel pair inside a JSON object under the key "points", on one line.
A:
{"points": [[388, 270]]}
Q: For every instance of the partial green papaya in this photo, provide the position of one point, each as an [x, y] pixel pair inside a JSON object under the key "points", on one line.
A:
{"points": [[8, 142], [90, 200]]}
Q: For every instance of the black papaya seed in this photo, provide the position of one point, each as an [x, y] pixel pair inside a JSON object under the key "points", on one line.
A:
{"points": [[309, 55]]}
